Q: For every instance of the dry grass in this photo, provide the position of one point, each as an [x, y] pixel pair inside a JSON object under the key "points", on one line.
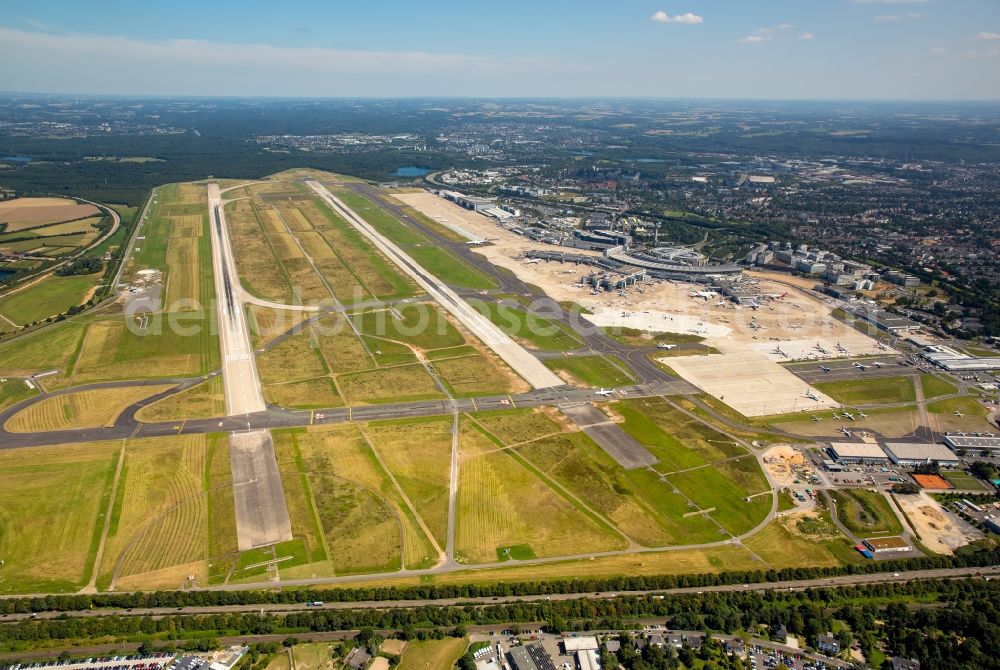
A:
{"points": [[161, 512], [514, 426], [478, 374], [259, 270], [341, 348], [432, 654], [84, 409], [21, 213], [182, 280], [204, 401], [266, 323], [501, 503], [399, 384], [418, 453], [307, 394], [782, 545], [50, 509], [292, 360]]}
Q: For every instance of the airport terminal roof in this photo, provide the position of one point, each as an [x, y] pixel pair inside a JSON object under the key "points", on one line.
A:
{"points": [[857, 450], [971, 442], [913, 451]]}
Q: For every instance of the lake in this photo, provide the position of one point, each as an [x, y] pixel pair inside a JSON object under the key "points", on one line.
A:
{"points": [[411, 171]]}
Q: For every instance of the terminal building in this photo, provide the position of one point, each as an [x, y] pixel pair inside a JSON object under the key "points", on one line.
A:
{"points": [[858, 452], [955, 361], [912, 453]]}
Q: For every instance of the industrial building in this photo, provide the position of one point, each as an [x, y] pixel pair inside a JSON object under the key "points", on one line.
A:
{"points": [[973, 442], [881, 545], [530, 657], [914, 453], [857, 452]]}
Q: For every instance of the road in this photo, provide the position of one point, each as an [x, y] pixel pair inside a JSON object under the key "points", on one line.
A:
{"points": [[517, 357], [261, 513]]}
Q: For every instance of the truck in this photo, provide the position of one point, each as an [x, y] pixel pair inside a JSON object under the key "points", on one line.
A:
{"points": [[314, 603]]}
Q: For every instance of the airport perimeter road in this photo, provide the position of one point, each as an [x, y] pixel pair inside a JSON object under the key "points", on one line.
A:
{"points": [[516, 356], [789, 585], [261, 513]]}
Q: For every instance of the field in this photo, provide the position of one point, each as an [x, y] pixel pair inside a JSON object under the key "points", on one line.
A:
{"points": [[964, 481], [871, 391], [175, 345], [51, 296], [936, 385], [160, 517], [801, 539], [591, 370], [866, 513], [13, 391], [432, 654], [24, 213], [502, 503], [83, 409], [535, 331], [423, 326], [641, 338], [204, 401], [51, 509], [397, 384], [39, 351], [477, 374]]}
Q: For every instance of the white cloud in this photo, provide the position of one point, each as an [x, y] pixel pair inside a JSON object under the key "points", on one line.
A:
{"points": [[755, 39], [767, 33], [987, 36], [806, 36], [689, 18]]}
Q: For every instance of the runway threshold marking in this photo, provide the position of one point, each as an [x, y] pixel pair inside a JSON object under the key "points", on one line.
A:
{"points": [[511, 401], [475, 407]]}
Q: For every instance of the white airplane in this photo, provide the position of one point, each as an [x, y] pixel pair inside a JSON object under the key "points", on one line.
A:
{"points": [[862, 415], [848, 415], [846, 432], [861, 366], [476, 243], [879, 345], [958, 413], [661, 345], [777, 350], [821, 349], [842, 349], [837, 416], [825, 368], [605, 392], [532, 261], [878, 364], [816, 418], [812, 396]]}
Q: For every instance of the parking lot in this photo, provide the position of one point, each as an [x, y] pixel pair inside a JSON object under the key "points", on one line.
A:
{"points": [[134, 662]]}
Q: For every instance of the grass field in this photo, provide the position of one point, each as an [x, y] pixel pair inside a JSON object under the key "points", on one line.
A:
{"points": [[175, 345], [423, 326], [783, 544], [84, 409], [477, 374], [936, 385], [536, 331], [398, 384], [944, 419], [641, 338], [260, 271], [964, 481], [51, 296], [39, 351], [160, 517], [344, 453], [866, 513], [518, 425], [266, 324], [418, 454], [432, 654], [501, 503], [13, 391], [305, 394], [591, 370], [438, 261], [204, 401], [341, 348], [51, 511], [294, 359], [871, 391]]}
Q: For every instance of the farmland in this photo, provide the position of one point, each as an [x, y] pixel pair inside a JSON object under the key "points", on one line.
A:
{"points": [[51, 296]]}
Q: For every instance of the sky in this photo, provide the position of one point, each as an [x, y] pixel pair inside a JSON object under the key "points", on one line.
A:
{"points": [[755, 49]]}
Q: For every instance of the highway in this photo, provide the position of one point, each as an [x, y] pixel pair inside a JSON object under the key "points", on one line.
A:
{"points": [[261, 514], [517, 357]]}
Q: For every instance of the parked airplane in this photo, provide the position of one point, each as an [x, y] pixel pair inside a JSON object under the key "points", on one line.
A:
{"points": [[812, 396], [825, 368], [842, 349], [661, 345], [958, 413], [878, 364], [604, 392], [820, 348], [816, 418], [861, 366], [848, 415], [476, 243], [879, 345], [837, 416], [846, 432], [777, 350], [862, 415]]}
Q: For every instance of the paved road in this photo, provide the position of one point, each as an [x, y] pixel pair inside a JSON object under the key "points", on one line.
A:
{"points": [[261, 513], [520, 360]]}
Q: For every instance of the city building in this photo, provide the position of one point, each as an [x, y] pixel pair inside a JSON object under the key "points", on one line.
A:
{"points": [[828, 644], [956, 361], [973, 442]]}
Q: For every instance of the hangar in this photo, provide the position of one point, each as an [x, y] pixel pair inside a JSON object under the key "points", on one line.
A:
{"points": [[857, 452], [913, 453]]}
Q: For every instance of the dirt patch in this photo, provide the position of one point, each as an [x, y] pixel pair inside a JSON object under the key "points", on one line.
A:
{"points": [[22, 213], [934, 482], [394, 647], [940, 530], [782, 462]]}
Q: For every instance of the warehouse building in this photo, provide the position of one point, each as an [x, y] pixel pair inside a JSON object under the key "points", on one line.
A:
{"points": [[973, 442], [857, 452], [881, 545], [913, 453]]}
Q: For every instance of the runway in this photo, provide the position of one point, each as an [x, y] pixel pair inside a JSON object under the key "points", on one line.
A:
{"points": [[517, 357], [261, 513]]}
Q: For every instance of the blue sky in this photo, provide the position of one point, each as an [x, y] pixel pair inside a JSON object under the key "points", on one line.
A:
{"points": [[789, 49]]}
